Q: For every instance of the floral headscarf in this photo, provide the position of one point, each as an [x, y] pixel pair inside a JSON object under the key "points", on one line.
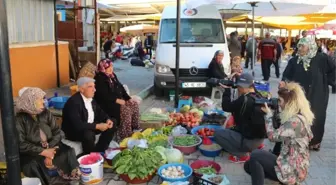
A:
{"points": [[103, 65], [306, 59], [27, 101]]}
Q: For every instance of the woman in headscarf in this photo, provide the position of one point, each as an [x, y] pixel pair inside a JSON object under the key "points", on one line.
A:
{"points": [[313, 71], [40, 138], [216, 68], [114, 100]]}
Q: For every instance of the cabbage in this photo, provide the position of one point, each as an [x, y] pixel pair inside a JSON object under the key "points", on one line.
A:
{"points": [[174, 155], [161, 150]]}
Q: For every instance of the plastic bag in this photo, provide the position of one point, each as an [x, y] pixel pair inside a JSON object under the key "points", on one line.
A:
{"points": [[136, 99], [110, 154], [141, 143], [179, 130], [92, 158], [114, 144], [225, 181]]}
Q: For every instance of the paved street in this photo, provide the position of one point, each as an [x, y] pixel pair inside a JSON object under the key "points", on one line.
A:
{"points": [[323, 164]]}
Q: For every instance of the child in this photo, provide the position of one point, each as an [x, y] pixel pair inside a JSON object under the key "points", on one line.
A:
{"points": [[236, 69]]}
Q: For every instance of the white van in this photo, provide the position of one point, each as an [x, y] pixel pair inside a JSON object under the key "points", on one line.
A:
{"points": [[202, 34]]}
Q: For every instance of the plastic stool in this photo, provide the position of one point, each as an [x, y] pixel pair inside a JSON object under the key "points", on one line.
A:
{"points": [[182, 103], [216, 94]]}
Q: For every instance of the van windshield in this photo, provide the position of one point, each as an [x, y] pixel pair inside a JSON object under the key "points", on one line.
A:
{"points": [[193, 31]]}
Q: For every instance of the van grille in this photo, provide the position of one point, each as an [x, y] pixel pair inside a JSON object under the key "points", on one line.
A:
{"points": [[186, 73]]}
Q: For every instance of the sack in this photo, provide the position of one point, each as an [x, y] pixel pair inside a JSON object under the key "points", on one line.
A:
{"points": [[137, 62], [88, 70]]}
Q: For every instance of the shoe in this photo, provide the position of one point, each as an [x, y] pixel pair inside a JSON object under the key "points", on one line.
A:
{"points": [[262, 146], [236, 159]]}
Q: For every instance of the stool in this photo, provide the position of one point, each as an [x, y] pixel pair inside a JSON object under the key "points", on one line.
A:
{"points": [[182, 103], [216, 94], [77, 146]]}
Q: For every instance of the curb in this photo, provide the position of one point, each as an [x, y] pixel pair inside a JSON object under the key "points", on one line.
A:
{"points": [[145, 92]]}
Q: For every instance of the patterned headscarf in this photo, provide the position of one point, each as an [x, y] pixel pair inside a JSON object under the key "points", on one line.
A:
{"points": [[27, 101], [103, 65], [306, 59]]}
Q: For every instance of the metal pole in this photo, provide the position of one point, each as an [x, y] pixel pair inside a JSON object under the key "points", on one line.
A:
{"points": [[7, 107], [253, 38], [75, 24], [95, 30], [177, 59], [56, 44]]}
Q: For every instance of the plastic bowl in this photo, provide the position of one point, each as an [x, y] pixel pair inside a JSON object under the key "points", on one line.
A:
{"points": [[204, 163], [210, 153], [186, 168], [185, 149], [195, 129], [58, 102]]}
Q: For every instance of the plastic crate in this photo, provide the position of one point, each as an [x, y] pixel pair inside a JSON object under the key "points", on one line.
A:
{"points": [[199, 181], [262, 86]]}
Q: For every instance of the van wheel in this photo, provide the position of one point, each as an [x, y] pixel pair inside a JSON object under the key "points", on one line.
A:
{"points": [[157, 91]]}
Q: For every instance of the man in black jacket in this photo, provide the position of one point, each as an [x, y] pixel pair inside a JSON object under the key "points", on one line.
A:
{"points": [[249, 131], [83, 119]]}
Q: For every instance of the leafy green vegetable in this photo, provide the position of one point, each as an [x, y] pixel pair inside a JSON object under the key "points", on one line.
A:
{"points": [[167, 130], [162, 142], [206, 170], [184, 140], [137, 163]]}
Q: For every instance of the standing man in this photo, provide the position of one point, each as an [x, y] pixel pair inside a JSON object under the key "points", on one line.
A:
{"points": [[278, 56], [119, 38], [268, 52], [249, 50], [234, 45], [149, 45]]}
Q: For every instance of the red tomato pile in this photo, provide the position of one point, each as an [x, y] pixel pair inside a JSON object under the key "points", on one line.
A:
{"points": [[206, 132], [189, 119]]}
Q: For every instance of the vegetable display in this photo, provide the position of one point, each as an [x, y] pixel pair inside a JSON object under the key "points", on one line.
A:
{"points": [[189, 119], [205, 132], [206, 170], [173, 172], [137, 163], [185, 140], [167, 130], [154, 117]]}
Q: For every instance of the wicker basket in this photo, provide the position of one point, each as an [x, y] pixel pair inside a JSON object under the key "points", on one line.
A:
{"points": [[88, 70]]}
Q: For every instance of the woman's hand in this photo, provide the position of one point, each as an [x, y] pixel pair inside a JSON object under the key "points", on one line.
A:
{"points": [[120, 101], [49, 153], [266, 109]]}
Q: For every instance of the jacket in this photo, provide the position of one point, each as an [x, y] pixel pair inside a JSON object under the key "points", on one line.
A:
{"points": [[75, 116], [215, 71], [29, 132], [293, 161], [249, 118], [107, 94]]}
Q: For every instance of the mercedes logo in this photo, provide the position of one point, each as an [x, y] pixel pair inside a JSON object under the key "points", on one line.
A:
{"points": [[193, 70]]}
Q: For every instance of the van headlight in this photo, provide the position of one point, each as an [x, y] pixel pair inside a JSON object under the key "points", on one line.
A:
{"points": [[162, 68]]}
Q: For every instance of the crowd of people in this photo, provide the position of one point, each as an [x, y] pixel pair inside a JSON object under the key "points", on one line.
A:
{"points": [[101, 108], [298, 123]]}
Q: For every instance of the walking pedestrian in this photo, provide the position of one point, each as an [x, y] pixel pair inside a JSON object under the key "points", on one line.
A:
{"points": [[268, 52]]}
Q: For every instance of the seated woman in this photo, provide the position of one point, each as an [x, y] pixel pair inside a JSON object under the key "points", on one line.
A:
{"points": [[216, 68], [114, 100], [291, 166], [40, 140]]}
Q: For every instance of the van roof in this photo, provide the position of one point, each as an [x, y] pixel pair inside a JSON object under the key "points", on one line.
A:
{"points": [[205, 11]]}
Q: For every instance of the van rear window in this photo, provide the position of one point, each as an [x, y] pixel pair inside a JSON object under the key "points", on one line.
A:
{"points": [[193, 31]]}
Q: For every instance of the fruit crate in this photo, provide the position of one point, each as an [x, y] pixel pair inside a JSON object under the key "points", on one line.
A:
{"points": [[199, 181]]}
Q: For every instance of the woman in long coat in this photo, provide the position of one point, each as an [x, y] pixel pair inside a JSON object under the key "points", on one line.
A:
{"points": [[40, 138], [314, 72]]}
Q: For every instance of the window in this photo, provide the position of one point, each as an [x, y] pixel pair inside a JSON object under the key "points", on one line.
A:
{"points": [[193, 31], [30, 20]]}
